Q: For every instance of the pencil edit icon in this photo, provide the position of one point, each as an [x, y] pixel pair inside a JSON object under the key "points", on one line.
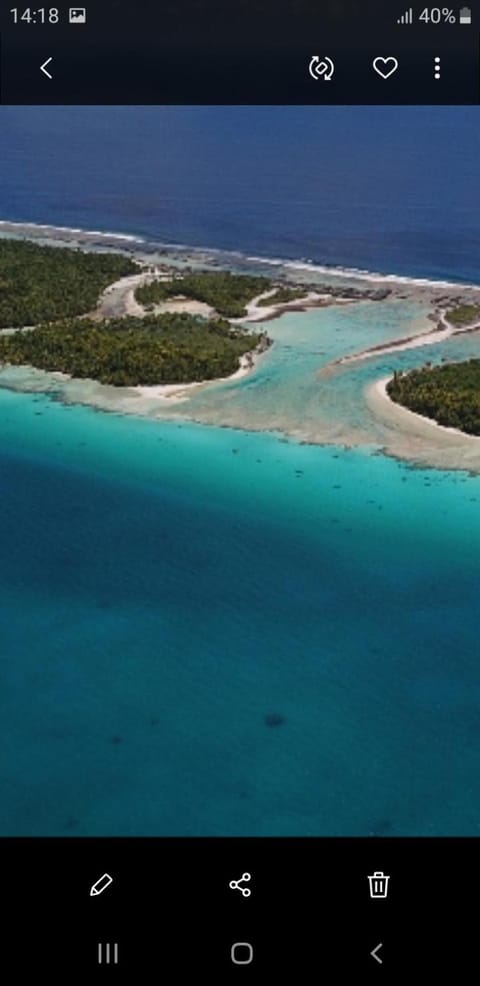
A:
{"points": [[101, 885]]}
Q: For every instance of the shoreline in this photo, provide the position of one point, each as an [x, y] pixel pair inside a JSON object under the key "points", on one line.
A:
{"points": [[380, 388], [389, 428], [420, 441], [400, 433], [140, 400], [144, 249], [16, 227], [177, 393]]}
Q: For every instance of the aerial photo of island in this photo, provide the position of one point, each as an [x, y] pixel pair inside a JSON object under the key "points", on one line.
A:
{"points": [[240, 471]]}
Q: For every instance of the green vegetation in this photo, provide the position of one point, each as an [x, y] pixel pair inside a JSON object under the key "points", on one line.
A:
{"points": [[227, 293], [283, 295], [450, 394], [40, 283], [464, 315], [169, 348]]}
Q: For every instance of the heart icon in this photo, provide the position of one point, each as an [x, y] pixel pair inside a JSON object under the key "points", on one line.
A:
{"points": [[385, 66]]}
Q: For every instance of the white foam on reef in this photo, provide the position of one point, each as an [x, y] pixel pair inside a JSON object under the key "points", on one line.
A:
{"points": [[71, 229], [360, 274], [270, 261], [303, 264]]}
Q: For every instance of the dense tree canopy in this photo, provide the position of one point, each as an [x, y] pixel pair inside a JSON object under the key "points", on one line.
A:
{"points": [[450, 393], [227, 293], [41, 283], [169, 348]]}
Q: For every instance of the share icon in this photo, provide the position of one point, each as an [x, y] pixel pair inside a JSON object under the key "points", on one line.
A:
{"points": [[235, 885]]}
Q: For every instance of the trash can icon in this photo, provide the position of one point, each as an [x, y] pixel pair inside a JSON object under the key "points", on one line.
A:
{"points": [[378, 884]]}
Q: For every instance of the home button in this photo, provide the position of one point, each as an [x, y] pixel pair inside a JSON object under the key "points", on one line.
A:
{"points": [[241, 953]]}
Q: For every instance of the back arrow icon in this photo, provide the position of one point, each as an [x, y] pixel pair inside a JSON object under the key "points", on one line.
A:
{"points": [[374, 955], [43, 68]]}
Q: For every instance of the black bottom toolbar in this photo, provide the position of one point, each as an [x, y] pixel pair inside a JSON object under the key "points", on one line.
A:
{"points": [[239, 910]]}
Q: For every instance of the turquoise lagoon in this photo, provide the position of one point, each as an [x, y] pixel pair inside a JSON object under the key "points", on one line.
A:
{"points": [[211, 630]]}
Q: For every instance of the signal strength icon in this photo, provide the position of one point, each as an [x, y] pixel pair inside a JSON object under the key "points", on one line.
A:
{"points": [[407, 17]]}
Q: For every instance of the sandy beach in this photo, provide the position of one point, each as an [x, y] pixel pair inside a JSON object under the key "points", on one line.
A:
{"points": [[257, 312], [178, 393], [412, 436], [444, 330], [381, 388]]}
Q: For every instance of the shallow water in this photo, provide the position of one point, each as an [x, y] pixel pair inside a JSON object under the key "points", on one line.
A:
{"points": [[301, 390], [168, 590], [297, 389]]}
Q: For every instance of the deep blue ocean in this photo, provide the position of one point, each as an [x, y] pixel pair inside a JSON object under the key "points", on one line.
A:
{"points": [[213, 631], [382, 188]]}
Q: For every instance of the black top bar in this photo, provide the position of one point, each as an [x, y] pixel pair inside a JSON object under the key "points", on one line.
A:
{"points": [[206, 52]]}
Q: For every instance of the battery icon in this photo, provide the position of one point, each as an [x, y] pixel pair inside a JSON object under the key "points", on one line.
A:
{"points": [[465, 15]]}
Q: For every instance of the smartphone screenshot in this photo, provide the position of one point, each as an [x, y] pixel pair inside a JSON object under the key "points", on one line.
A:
{"points": [[240, 491]]}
